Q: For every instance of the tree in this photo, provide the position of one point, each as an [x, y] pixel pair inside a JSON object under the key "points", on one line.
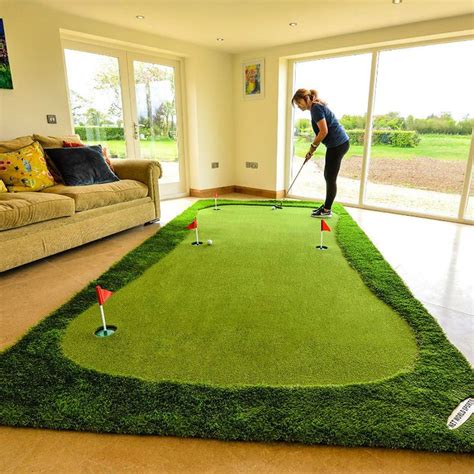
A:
{"points": [[302, 125], [164, 117], [108, 79], [147, 74], [79, 105], [95, 117]]}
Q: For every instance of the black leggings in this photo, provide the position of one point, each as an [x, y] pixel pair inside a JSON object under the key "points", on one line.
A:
{"points": [[331, 169]]}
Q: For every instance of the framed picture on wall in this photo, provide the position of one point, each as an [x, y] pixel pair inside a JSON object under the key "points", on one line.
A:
{"points": [[5, 74], [253, 75]]}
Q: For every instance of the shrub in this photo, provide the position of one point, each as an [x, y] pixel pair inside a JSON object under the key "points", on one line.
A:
{"points": [[404, 139], [397, 138], [100, 133]]}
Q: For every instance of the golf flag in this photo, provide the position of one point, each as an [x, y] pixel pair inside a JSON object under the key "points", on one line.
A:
{"points": [[193, 224], [215, 203], [102, 294], [325, 227]]}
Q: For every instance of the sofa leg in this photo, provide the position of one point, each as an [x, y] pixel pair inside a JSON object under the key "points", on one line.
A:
{"points": [[154, 221]]}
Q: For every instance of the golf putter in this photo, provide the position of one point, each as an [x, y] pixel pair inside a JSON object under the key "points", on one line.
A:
{"points": [[280, 206]]}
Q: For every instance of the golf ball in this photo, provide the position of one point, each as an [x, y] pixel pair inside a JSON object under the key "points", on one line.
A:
{"points": [[209, 242], [273, 208]]}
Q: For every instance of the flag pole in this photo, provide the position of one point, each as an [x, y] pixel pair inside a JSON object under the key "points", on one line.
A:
{"points": [[197, 236], [321, 232], [102, 315]]}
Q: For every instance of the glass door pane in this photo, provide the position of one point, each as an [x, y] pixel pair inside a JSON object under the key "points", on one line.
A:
{"points": [[422, 128], [342, 82], [96, 99], [156, 120]]}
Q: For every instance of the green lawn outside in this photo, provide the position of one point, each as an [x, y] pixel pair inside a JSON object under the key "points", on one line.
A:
{"points": [[162, 150], [440, 147]]}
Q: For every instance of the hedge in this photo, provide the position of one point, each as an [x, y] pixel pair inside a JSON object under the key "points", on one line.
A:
{"points": [[397, 138], [100, 133]]}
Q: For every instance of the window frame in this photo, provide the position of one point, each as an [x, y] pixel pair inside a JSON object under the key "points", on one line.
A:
{"points": [[375, 51]]}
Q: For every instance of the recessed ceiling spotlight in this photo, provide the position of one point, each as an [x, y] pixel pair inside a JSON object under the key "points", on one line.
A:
{"points": [[397, 2], [140, 17], [219, 39], [293, 23]]}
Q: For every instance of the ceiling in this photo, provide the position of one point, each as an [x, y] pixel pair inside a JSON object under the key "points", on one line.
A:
{"points": [[257, 24]]}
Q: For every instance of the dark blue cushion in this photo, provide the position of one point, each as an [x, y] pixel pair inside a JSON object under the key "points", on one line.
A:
{"points": [[82, 165]]}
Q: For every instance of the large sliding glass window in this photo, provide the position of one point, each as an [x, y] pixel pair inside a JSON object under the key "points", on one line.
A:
{"points": [[343, 83], [422, 128], [421, 124]]}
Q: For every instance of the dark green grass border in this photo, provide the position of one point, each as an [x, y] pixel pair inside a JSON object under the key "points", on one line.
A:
{"points": [[39, 387]]}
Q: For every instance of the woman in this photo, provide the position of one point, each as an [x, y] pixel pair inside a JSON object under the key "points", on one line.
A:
{"points": [[329, 131]]}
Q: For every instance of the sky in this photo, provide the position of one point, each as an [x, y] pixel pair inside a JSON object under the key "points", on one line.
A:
{"points": [[82, 68], [412, 81]]}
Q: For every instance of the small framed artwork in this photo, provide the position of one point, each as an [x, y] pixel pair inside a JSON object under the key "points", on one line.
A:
{"points": [[253, 76], [5, 74]]}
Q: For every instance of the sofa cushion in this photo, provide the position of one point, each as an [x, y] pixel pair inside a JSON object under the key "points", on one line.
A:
{"points": [[82, 166], [55, 142], [15, 144], [19, 209], [25, 169], [94, 196]]}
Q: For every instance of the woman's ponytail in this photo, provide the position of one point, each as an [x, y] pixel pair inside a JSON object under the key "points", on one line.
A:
{"points": [[303, 94]]}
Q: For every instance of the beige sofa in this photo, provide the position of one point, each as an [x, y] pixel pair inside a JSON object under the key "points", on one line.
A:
{"points": [[34, 225]]}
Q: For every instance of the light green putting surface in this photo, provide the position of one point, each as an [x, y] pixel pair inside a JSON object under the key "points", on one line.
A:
{"points": [[261, 306]]}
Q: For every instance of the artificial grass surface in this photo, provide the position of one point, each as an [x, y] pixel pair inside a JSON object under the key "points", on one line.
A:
{"points": [[261, 306], [40, 387]]}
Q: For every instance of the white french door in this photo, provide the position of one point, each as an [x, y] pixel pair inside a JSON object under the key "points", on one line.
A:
{"points": [[156, 122], [130, 103]]}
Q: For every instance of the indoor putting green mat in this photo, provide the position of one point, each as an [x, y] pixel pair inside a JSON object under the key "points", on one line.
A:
{"points": [[261, 305], [257, 336]]}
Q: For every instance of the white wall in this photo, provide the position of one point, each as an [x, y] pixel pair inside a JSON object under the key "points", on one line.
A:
{"points": [[220, 124], [36, 60], [260, 125]]}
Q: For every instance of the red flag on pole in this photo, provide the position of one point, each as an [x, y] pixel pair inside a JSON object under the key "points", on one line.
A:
{"points": [[193, 224], [102, 294], [215, 195], [325, 227]]}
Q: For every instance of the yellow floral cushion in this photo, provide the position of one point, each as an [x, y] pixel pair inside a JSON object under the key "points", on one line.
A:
{"points": [[25, 169], [3, 188]]}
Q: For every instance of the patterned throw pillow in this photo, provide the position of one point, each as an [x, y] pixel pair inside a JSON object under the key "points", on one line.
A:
{"points": [[25, 169], [3, 188]]}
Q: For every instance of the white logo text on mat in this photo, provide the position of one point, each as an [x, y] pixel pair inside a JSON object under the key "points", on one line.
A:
{"points": [[461, 414]]}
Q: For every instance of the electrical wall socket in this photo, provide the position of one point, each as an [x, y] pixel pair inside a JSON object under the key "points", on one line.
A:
{"points": [[251, 164], [215, 164]]}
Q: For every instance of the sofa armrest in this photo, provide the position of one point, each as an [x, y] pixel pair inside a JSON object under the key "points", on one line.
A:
{"points": [[145, 171]]}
